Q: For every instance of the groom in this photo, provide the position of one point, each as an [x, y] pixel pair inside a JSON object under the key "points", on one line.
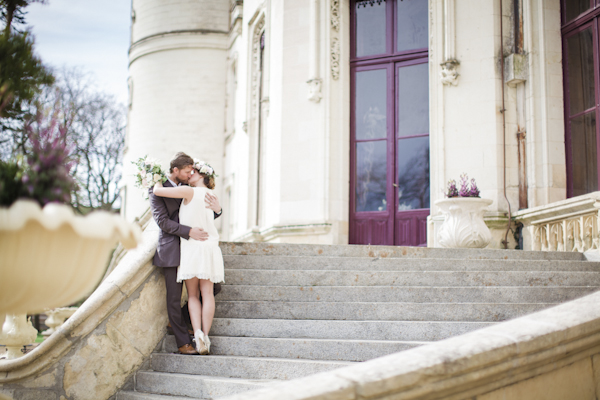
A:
{"points": [[166, 214]]}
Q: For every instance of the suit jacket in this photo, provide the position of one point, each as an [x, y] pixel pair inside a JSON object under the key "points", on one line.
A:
{"points": [[166, 214]]}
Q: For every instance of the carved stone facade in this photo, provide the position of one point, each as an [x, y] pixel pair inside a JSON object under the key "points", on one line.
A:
{"points": [[300, 174]]}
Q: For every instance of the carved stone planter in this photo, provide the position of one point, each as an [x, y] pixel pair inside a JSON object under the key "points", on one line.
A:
{"points": [[464, 226], [50, 257]]}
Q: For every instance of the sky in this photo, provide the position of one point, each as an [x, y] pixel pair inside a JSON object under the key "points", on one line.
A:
{"points": [[89, 34]]}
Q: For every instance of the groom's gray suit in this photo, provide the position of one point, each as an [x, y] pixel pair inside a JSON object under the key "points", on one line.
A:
{"points": [[166, 214]]}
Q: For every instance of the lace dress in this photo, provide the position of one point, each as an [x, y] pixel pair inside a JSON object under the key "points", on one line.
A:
{"points": [[200, 259]]}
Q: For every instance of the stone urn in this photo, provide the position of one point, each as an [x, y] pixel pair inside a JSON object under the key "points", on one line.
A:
{"points": [[51, 258], [464, 226]]}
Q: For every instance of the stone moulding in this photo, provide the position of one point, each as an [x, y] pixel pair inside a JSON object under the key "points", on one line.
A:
{"points": [[276, 231], [465, 366], [134, 268], [42, 251], [178, 40]]}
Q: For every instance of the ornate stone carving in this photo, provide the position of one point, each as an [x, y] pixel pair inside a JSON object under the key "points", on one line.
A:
{"points": [[335, 15], [314, 90], [464, 226], [449, 74], [335, 58], [256, 72], [577, 234]]}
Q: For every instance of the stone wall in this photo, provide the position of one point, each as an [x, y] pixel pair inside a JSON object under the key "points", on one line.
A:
{"points": [[95, 352]]}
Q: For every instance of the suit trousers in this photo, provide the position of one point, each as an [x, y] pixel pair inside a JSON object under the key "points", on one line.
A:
{"points": [[174, 309]]}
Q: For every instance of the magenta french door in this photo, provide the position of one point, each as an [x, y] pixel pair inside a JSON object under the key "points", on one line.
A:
{"points": [[581, 61], [389, 168]]}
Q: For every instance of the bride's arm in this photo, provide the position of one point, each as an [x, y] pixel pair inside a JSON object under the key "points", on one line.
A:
{"points": [[178, 192]]}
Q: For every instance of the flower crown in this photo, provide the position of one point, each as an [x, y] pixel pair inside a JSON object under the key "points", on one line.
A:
{"points": [[204, 168]]}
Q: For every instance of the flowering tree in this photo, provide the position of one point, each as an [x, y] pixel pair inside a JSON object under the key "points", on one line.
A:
{"points": [[94, 127]]}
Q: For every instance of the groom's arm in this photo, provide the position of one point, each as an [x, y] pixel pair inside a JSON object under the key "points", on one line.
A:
{"points": [[161, 216]]}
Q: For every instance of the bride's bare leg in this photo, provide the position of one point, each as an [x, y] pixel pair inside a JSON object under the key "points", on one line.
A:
{"points": [[193, 289], [208, 304]]}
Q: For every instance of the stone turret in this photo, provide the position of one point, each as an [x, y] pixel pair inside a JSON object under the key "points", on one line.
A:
{"points": [[177, 91]]}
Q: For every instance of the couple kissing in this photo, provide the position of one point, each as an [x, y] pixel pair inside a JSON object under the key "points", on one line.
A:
{"points": [[188, 248]]}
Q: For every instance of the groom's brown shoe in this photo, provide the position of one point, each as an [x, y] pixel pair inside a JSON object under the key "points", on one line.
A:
{"points": [[188, 349]]}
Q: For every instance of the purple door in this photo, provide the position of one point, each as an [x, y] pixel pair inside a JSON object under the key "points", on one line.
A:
{"points": [[581, 59], [389, 170]]}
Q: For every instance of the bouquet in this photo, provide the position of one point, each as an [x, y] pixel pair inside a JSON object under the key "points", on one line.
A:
{"points": [[149, 173]]}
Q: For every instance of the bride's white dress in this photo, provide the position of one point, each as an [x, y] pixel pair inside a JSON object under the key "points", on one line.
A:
{"points": [[200, 259]]}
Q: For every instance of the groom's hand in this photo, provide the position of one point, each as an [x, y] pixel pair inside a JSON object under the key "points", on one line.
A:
{"points": [[212, 202], [198, 234]]}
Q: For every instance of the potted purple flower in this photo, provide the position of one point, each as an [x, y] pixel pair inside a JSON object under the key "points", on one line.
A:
{"points": [[463, 209]]}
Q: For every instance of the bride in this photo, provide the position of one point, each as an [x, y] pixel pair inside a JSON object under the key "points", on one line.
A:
{"points": [[201, 263]]}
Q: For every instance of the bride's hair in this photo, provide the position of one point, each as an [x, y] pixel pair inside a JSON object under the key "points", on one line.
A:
{"points": [[209, 181]]}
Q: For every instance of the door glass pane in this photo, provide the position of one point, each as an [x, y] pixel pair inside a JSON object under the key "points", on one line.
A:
{"points": [[575, 7], [371, 176], [580, 59], [371, 104], [412, 27], [413, 100], [413, 173], [370, 28], [584, 157]]}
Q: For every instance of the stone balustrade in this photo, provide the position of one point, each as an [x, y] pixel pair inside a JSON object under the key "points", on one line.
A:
{"points": [[569, 225], [56, 318]]}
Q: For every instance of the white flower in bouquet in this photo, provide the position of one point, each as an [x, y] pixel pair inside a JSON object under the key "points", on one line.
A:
{"points": [[148, 173]]}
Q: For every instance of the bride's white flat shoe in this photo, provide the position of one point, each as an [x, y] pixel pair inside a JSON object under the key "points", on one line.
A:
{"points": [[207, 343], [200, 345]]}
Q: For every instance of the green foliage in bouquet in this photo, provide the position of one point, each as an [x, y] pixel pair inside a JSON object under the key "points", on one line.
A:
{"points": [[149, 173]]}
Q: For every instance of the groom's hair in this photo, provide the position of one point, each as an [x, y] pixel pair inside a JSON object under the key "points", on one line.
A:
{"points": [[180, 161]]}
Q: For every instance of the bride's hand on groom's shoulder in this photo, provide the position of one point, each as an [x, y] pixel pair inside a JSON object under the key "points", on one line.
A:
{"points": [[198, 234]]}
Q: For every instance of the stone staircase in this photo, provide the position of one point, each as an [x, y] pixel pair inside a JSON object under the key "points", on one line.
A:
{"points": [[289, 311]]}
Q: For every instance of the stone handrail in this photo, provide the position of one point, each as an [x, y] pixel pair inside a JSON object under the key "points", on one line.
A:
{"points": [[108, 305], [569, 225], [521, 358]]}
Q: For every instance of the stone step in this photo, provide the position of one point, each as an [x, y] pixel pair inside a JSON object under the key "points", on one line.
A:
{"points": [[401, 294], [240, 367], [409, 278], [130, 395], [311, 250], [352, 330], [310, 349], [403, 264], [195, 386], [389, 311]]}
